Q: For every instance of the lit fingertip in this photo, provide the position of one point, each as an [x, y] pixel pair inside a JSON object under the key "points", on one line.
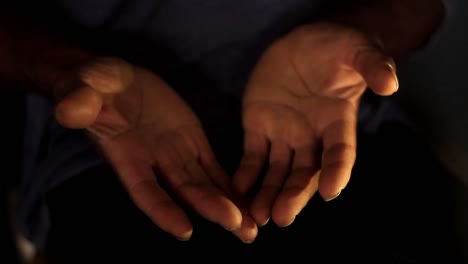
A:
{"points": [[287, 223], [332, 198], [248, 241], [185, 237], [264, 222], [393, 70], [232, 229]]}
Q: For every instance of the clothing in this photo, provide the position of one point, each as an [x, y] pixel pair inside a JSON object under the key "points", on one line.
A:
{"points": [[434, 94], [212, 43]]}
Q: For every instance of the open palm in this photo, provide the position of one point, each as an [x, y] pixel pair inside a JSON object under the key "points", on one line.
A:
{"points": [[156, 145], [299, 116]]}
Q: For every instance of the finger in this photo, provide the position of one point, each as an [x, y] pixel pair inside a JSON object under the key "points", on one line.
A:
{"points": [[79, 108], [278, 170], [212, 167], [249, 229], [107, 75], [180, 166], [299, 188], [217, 174], [339, 155], [144, 190], [195, 188], [160, 208], [378, 70], [253, 160]]}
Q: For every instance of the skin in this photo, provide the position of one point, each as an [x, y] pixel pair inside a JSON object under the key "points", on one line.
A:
{"points": [[299, 116], [151, 137]]}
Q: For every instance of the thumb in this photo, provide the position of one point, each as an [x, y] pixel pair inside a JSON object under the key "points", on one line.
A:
{"points": [[80, 107], [378, 70]]}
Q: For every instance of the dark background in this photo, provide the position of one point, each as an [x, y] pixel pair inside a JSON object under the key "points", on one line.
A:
{"points": [[400, 207]]}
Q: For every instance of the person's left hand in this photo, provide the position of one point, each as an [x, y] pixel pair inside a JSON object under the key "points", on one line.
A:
{"points": [[300, 113]]}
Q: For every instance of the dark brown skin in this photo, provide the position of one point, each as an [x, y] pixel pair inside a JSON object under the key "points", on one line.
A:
{"points": [[300, 106], [301, 99]]}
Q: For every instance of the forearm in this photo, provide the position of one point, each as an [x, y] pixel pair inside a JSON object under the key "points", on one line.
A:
{"points": [[401, 25], [30, 56]]}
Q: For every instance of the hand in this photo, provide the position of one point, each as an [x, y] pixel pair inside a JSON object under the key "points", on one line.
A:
{"points": [[299, 116], [154, 142]]}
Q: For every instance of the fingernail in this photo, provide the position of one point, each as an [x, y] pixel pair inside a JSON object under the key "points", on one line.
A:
{"points": [[333, 197], [248, 241], [232, 229], [265, 223], [288, 224], [393, 70], [183, 239]]}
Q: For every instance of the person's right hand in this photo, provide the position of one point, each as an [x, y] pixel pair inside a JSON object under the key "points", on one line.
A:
{"points": [[154, 142]]}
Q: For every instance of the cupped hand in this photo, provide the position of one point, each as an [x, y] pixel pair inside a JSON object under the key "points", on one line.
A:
{"points": [[154, 142], [300, 112]]}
